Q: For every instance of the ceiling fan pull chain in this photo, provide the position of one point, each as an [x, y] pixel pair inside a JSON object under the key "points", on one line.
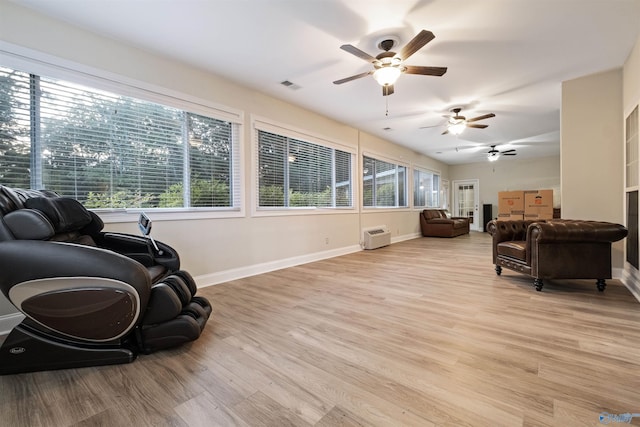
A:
{"points": [[386, 100]]}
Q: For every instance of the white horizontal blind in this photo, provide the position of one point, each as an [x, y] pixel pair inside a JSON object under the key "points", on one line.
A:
{"points": [[384, 183], [111, 151], [15, 145], [294, 173], [214, 162], [426, 187], [632, 138]]}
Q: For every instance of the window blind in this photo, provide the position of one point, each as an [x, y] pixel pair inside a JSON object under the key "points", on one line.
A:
{"points": [[110, 151], [384, 183], [293, 173]]}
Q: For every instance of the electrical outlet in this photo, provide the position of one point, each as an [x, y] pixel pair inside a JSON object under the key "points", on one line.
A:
{"points": [[326, 240]]}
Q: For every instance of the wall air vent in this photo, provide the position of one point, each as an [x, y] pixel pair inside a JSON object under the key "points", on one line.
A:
{"points": [[376, 238]]}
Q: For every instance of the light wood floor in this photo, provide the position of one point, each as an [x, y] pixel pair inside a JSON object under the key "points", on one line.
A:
{"points": [[419, 333]]}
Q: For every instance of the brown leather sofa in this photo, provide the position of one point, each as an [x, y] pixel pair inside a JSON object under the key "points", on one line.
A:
{"points": [[437, 223], [555, 249]]}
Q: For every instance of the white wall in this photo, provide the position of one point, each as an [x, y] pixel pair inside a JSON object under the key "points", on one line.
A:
{"points": [[510, 174], [592, 176], [220, 249], [631, 79]]}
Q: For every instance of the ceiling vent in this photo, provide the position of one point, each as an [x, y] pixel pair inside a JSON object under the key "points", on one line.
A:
{"points": [[290, 85]]}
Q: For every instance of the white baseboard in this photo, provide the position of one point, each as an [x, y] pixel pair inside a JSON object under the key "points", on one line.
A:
{"points": [[405, 237], [617, 273], [631, 279], [265, 267], [251, 270]]}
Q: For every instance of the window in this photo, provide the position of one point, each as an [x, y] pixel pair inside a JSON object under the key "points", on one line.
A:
{"points": [[110, 151], [426, 186], [632, 137], [384, 184], [294, 173]]}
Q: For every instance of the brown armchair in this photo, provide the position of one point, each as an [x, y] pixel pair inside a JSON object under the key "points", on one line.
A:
{"points": [[438, 223], [555, 249]]}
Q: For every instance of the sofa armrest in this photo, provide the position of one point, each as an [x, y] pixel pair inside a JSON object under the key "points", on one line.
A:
{"points": [[576, 231]]}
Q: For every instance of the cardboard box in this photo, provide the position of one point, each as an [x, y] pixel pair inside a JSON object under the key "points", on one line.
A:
{"points": [[536, 217], [510, 217], [538, 204], [511, 202]]}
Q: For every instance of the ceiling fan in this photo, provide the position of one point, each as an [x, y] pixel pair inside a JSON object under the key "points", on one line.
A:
{"points": [[457, 123], [493, 154], [388, 65]]}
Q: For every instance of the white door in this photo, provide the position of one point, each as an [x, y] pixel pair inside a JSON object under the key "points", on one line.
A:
{"points": [[466, 199]]}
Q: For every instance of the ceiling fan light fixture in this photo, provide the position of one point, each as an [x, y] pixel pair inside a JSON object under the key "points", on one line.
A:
{"points": [[493, 157], [456, 128], [388, 75]]}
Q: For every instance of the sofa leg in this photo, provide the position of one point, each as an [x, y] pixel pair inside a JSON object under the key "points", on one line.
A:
{"points": [[600, 284], [498, 270], [538, 284]]}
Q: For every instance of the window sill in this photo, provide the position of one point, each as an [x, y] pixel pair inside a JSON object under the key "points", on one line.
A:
{"points": [[131, 215]]}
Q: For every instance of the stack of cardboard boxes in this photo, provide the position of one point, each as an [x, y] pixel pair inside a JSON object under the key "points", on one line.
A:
{"points": [[531, 204]]}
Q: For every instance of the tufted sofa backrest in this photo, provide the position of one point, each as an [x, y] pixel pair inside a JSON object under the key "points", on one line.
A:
{"points": [[433, 213]]}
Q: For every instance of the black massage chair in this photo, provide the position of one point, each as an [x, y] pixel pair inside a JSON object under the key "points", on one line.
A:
{"points": [[89, 297]]}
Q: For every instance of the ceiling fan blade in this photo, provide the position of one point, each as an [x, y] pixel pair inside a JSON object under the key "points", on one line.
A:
{"points": [[476, 125], [415, 44], [387, 90], [508, 151], [348, 79], [425, 71], [508, 154], [445, 132], [357, 52], [486, 116]]}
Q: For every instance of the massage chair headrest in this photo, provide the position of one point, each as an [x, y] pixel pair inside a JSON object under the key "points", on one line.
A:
{"points": [[64, 213]]}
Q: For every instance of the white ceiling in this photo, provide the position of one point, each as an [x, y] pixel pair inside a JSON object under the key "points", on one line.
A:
{"points": [[506, 57]]}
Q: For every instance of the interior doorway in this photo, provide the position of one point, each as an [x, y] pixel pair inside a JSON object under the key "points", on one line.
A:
{"points": [[466, 199]]}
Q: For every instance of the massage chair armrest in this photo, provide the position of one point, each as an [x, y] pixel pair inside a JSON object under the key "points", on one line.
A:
{"points": [[27, 260], [576, 231], [140, 249]]}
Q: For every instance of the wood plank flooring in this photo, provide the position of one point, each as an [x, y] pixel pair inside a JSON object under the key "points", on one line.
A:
{"points": [[420, 333]]}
